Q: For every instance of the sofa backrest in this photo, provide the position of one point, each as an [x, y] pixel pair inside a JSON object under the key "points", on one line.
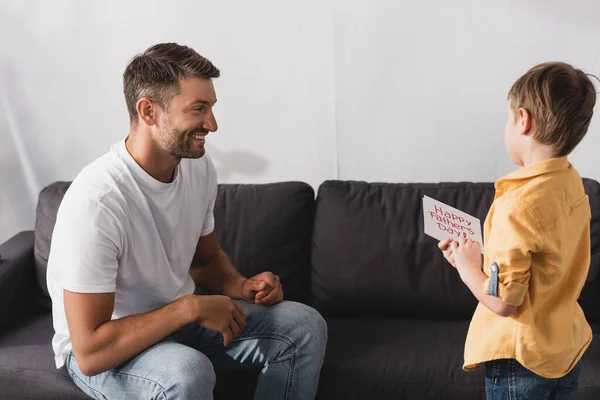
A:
{"points": [[269, 228], [371, 258], [261, 227]]}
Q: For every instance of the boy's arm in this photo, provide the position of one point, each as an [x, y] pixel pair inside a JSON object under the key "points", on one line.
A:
{"points": [[475, 280], [514, 238], [466, 257]]}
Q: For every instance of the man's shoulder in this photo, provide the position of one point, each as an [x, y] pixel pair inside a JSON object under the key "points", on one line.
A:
{"points": [[100, 183]]}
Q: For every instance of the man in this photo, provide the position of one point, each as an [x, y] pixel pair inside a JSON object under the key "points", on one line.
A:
{"points": [[133, 234]]}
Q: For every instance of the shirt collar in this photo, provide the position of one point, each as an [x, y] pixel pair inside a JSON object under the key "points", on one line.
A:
{"points": [[524, 174]]}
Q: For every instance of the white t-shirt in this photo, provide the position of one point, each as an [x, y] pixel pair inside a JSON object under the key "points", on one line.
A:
{"points": [[120, 230]]}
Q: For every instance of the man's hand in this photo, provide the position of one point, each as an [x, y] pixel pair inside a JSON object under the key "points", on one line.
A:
{"points": [[220, 314], [447, 251], [467, 256], [263, 289]]}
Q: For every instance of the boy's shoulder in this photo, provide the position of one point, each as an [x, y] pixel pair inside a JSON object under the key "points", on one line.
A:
{"points": [[546, 197]]}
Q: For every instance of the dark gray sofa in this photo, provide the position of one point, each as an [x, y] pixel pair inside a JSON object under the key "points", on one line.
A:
{"points": [[397, 314]]}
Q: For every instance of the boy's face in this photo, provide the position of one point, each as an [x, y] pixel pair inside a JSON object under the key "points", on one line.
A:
{"points": [[513, 136]]}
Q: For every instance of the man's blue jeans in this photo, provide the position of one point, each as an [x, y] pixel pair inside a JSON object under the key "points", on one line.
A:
{"points": [[509, 380], [287, 340]]}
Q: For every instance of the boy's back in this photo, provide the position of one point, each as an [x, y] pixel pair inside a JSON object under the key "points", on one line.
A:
{"points": [[528, 328], [538, 235]]}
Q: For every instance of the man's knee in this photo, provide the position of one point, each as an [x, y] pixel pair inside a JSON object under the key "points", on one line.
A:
{"points": [[192, 376], [308, 321]]}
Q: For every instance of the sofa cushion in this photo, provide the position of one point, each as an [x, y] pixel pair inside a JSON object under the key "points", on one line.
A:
{"points": [[269, 228], [261, 227], [370, 255], [27, 369], [590, 296], [414, 359], [17, 278], [48, 202], [397, 359]]}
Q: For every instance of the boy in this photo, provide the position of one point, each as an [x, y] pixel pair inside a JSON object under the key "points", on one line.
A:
{"points": [[528, 329]]}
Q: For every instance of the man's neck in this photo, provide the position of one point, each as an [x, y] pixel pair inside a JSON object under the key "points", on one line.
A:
{"points": [[155, 161]]}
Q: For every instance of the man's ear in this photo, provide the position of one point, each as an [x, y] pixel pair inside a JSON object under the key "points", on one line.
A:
{"points": [[525, 121], [146, 111]]}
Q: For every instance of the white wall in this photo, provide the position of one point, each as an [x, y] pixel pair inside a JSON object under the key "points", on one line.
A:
{"points": [[377, 90]]}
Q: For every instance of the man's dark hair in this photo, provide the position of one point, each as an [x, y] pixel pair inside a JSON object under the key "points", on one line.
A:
{"points": [[156, 73]]}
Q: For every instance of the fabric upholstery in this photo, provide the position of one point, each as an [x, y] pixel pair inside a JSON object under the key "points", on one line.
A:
{"points": [[16, 278], [414, 359], [397, 313], [268, 228], [370, 254], [48, 202], [27, 369]]}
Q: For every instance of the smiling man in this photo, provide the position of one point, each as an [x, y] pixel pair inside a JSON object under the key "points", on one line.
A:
{"points": [[135, 233]]}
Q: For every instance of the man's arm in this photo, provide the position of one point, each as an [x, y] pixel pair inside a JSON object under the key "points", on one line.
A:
{"points": [[213, 271], [100, 344]]}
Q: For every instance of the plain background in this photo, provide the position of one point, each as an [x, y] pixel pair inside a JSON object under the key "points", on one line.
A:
{"points": [[377, 90]]}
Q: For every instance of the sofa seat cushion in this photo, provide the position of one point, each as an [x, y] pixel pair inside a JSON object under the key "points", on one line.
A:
{"points": [[414, 359], [27, 369]]}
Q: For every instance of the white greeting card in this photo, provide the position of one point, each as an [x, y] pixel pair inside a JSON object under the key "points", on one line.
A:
{"points": [[444, 222]]}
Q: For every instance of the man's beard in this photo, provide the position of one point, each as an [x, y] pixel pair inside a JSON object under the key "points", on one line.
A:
{"points": [[177, 143]]}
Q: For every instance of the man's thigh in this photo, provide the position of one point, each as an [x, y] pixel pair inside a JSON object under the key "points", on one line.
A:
{"points": [[165, 371], [270, 331]]}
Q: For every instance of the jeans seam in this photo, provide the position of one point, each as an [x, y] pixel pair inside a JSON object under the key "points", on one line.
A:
{"points": [[96, 392], [258, 335], [163, 390], [291, 375], [495, 378], [268, 335], [512, 376]]}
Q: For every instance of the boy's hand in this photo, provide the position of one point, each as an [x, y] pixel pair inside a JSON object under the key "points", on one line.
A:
{"points": [[447, 251], [467, 256]]}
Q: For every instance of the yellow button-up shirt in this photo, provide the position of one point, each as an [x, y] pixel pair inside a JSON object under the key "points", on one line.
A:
{"points": [[537, 244]]}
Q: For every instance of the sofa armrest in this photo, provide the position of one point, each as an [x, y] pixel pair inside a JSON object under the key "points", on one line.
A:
{"points": [[17, 277]]}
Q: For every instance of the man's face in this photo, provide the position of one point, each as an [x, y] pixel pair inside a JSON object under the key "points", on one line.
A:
{"points": [[188, 119]]}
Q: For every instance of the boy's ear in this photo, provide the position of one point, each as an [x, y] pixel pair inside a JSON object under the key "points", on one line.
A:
{"points": [[525, 121]]}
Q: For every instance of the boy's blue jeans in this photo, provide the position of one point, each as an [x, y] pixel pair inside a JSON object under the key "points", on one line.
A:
{"points": [[286, 340], [509, 380]]}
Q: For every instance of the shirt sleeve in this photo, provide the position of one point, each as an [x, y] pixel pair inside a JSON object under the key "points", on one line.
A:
{"points": [[514, 237], [209, 220], [85, 248]]}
